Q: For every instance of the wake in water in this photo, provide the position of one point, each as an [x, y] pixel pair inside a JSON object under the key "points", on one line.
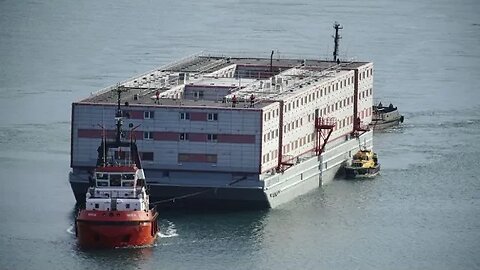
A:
{"points": [[71, 229], [170, 231]]}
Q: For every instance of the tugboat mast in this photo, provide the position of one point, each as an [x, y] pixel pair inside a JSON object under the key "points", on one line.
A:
{"points": [[336, 38], [118, 117]]}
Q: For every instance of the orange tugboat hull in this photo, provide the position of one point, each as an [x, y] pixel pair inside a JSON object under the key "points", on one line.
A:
{"points": [[112, 229]]}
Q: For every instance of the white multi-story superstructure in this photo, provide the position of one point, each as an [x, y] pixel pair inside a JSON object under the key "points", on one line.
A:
{"points": [[237, 130]]}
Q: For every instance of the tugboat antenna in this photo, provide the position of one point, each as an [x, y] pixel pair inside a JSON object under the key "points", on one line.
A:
{"points": [[336, 38]]}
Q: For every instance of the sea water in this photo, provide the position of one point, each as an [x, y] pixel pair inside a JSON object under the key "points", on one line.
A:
{"points": [[422, 212]]}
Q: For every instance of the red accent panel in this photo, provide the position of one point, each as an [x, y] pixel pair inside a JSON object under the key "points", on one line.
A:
{"points": [[197, 137], [136, 135], [136, 114], [203, 158], [170, 136], [197, 158], [198, 116], [147, 106], [89, 133], [165, 136], [232, 138], [95, 133]]}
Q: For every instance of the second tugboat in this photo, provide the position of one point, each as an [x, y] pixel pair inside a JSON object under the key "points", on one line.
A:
{"points": [[364, 165], [117, 212], [384, 117]]}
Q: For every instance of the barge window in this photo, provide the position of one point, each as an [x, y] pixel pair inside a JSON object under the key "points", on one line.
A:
{"points": [[148, 114], [212, 116], [183, 136], [148, 135], [198, 94], [212, 137]]}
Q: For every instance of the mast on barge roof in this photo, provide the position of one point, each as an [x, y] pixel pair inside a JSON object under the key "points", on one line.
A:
{"points": [[336, 38]]}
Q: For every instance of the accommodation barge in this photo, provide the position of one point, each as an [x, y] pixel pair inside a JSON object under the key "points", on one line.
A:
{"points": [[226, 130]]}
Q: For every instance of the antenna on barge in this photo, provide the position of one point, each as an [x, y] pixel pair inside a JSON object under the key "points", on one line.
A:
{"points": [[336, 38], [271, 63]]}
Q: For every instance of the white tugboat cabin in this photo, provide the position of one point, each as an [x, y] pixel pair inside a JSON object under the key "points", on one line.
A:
{"points": [[119, 188]]}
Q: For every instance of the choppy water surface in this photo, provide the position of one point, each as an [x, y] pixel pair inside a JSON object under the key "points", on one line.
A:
{"points": [[421, 213]]}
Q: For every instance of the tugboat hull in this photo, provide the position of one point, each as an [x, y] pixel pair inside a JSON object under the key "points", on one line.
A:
{"points": [[113, 229], [381, 124], [358, 173]]}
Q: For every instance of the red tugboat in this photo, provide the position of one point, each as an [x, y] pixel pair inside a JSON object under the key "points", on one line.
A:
{"points": [[117, 212]]}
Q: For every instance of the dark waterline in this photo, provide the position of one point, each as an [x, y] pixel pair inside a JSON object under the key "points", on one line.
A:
{"points": [[422, 212]]}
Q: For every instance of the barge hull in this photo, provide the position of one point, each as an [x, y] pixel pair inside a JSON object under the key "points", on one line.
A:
{"points": [[280, 188]]}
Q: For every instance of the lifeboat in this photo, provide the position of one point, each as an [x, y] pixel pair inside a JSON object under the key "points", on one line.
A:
{"points": [[364, 165], [117, 212]]}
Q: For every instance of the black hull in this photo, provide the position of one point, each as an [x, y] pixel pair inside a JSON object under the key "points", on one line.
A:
{"points": [[194, 197], [380, 124]]}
